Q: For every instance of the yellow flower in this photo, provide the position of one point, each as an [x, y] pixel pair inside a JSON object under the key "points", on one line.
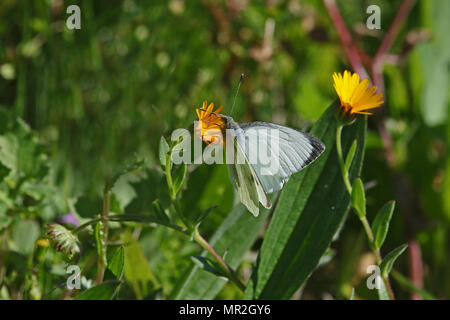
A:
{"points": [[43, 242], [210, 127], [355, 96]]}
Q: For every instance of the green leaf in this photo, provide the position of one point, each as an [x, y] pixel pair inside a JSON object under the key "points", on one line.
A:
{"points": [[178, 177], [89, 207], [147, 188], [388, 261], [359, 198], [380, 225], [116, 263], [8, 151], [137, 269], [25, 233], [382, 292], [134, 165], [208, 186], [350, 155], [204, 214], [207, 265], [435, 58], [159, 212], [235, 236], [163, 151], [104, 291], [4, 220], [310, 211], [21, 152]]}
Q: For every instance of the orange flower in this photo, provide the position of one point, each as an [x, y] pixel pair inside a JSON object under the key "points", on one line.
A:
{"points": [[355, 96], [210, 127]]}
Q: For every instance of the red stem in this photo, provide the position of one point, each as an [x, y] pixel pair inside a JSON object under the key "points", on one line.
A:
{"points": [[398, 21], [388, 40], [416, 267], [346, 38]]}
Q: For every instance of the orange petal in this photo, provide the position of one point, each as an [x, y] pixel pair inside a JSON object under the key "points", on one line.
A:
{"points": [[210, 107]]}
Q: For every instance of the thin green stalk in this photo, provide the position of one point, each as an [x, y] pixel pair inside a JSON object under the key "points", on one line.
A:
{"points": [[225, 267], [364, 221], [345, 175], [368, 229], [377, 253], [104, 218], [85, 225], [169, 176]]}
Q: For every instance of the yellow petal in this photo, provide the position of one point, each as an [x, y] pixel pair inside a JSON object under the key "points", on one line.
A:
{"points": [[359, 91]]}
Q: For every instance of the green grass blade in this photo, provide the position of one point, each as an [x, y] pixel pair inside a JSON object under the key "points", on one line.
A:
{"points": [[407, 284]]}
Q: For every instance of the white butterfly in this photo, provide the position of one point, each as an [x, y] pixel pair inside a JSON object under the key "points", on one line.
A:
{"points": [[291, 151]]}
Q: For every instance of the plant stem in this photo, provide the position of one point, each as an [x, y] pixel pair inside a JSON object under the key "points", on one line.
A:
{"points": [[345, 175], [368, 229], [226, 268], [86, 224], [377, 253], [169, 176], [364, 221], [104, 218]]}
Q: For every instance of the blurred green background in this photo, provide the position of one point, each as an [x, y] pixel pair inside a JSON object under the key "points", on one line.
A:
{"points": [[137, 70]]}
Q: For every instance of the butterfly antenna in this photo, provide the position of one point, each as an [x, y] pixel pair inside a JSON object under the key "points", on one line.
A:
{"points": [[237, 91]]}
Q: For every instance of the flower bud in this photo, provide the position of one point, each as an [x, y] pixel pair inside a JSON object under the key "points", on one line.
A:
{"points": [[62, 239]]}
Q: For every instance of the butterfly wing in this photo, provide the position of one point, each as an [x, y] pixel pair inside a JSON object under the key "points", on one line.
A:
{"points": [[246, 182], [293, 149], [242, 174]]}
